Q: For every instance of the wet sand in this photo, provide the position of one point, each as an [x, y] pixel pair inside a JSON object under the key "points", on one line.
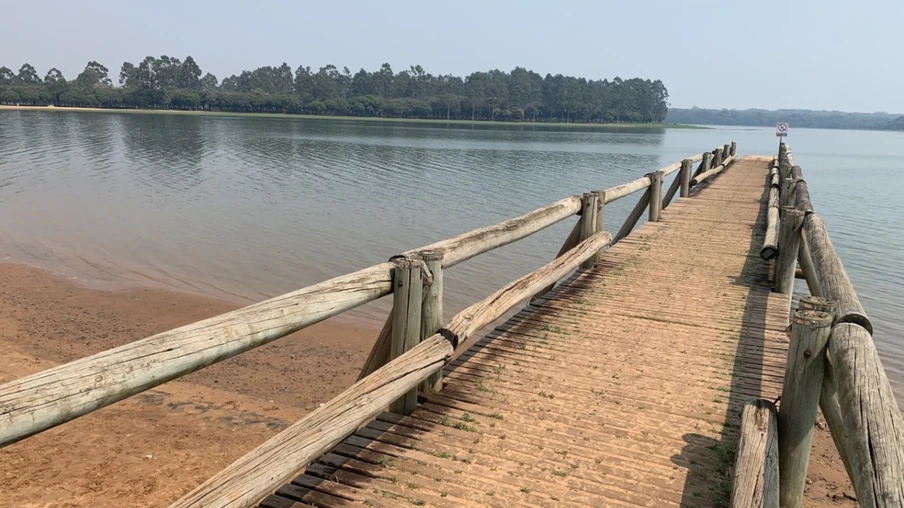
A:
{"points": [[152, 448]]}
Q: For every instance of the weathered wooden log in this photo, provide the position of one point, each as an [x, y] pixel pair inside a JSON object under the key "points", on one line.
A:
{"points": [[633, 217], [407, 300], [588, 222], [802, 197], [808, 272], [828, 396], [718, 156], [796, 173], [684, 178], [786, 192], [268, 466], [655, 211], [471, 320], [573, 239], [702, 177], [671, 168], [756, 480], [705, 165], [770, 242], [788, 248], [45, 399], [726, 151], [672, 190], [470, 244], [379, 353], [620, 191], [600, 214], [734, 149], [833, 279], [800, 399], [875, 429], [432, 313]]}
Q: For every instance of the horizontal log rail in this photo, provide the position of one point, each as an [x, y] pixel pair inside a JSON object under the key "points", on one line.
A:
{"points": [[854, 393], [702, 177], [266, 467]]}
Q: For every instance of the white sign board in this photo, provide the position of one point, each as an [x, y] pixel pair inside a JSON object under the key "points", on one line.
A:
{"points": [[781, 130]]}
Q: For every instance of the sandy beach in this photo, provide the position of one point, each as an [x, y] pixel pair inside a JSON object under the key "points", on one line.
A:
{"points": [[152, 448]]}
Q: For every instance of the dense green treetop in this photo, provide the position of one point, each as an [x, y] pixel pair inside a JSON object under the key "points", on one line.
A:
{"points": [[170, 83]]}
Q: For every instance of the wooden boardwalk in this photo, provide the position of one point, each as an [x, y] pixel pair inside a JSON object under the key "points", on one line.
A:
{"points": [[621, 388]]}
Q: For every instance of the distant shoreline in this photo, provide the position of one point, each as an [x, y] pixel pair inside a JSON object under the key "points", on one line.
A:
{"points": [[434, 121]]}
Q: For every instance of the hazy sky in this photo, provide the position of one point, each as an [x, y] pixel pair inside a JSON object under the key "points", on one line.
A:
{"points": [[738, 54]]}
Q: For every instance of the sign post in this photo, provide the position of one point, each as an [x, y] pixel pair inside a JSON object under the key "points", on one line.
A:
{"points": [[781, 131]]}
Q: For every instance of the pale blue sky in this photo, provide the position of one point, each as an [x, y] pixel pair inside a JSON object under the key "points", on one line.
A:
{"points": [[793, 54]]}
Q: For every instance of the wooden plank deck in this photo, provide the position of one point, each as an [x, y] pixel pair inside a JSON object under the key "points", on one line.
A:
{"points": [[622, 388]]}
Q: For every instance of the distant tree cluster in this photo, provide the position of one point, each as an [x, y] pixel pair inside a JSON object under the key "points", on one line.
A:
{"points": [[795, 117], [171, 83]]}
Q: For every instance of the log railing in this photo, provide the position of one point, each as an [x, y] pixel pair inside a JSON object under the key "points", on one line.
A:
{"points": [[409, 353], [832, 363]]}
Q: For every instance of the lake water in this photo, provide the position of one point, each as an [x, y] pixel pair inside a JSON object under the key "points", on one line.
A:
{"points": [[248, 208]]}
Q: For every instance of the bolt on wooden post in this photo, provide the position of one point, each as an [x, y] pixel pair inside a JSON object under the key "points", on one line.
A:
{"points": [[407, 298], [432, 312], [788, 247], [588, 221], [656, 178], [685, 177], [804, 371]]}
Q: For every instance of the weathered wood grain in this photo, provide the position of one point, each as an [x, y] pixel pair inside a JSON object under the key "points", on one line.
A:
{"points": [[788, 249], [469, 321], [634, 216], [800, 399], [620, 191], [655, 210], [872, 419], [43, 400], [756, 479], [833, 278], [467, 245], [263, 469]]}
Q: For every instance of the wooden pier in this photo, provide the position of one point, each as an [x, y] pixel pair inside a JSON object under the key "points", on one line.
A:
{"points": [[622, 386]]}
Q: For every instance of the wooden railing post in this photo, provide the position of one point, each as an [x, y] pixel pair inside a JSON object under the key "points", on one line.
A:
{"points": [[407, 299], [589, 222], [600, 219], [726, 151], [717, 157], [432, 312], [800, 398], [828, 395], [656, 178], [788, 247], [685, 176], [705, 165], [734, 149], [755, 482]]}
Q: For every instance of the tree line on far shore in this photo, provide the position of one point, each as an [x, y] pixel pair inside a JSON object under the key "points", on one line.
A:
{"points": [[171, 83], [795, 117]]}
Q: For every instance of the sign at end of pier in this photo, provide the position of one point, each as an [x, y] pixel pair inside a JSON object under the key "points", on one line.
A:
{"points": [[781, 130]]}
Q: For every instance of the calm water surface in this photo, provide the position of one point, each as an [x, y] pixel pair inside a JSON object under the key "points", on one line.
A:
{"points": [[248, 208]]}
